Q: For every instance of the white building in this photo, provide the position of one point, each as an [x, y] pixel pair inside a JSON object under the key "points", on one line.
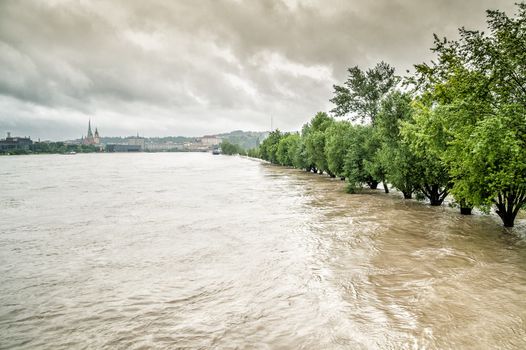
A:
{"points": [[136, 141], [210, 140]]}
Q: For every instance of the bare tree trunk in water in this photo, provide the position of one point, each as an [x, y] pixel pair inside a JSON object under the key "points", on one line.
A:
{"points": [[435, 195], [465, 209], [508, 204], [372, 185]]}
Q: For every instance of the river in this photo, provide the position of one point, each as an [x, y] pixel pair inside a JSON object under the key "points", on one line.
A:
{"points": [[189, 250]]}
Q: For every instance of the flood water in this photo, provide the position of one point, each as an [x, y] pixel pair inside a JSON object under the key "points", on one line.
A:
{"points": [[172, 250]]}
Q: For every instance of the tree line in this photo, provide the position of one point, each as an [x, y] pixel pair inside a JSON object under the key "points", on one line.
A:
{"points": [[456, 127], [54, 148]]}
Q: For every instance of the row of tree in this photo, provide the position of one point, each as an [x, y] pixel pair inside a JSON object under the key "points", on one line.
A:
{"points": [[230, 148], [456, 127], [54, 147]]}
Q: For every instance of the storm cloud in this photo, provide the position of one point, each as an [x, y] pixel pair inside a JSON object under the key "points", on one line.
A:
{"points": [[195, 67]]}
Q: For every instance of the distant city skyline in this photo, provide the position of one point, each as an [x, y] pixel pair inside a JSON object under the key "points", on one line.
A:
{"points": [[194, 68]]}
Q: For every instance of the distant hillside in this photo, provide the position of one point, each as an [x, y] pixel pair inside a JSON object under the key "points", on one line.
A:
{"points": [[245, 139]]}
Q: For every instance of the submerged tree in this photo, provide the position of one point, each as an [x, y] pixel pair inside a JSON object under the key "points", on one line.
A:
{"points": [[338, 141], [426, 138], [362, 149], [287, 148], [480, 83], [269, 147], [315, 141], [399, 161]]}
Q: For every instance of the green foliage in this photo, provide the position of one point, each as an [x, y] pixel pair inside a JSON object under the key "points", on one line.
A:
{"points": [[287, 149], [397, 159], [426, 137], [61, 147], [230, 148], [254, 153], [461, 131], [479, 85], [338, 141], [362, 150], [269, 147], [362, 92], [314, 135], [299, 155]]}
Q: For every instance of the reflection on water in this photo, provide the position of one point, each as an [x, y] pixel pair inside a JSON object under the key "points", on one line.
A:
{"points": [[202, 251]]}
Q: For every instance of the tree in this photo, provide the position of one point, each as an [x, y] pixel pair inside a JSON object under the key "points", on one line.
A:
{"points": [[395, 156], [362, 92], [426, 138], [338, 141], [361, 150], [480, 83], [314, 135], [286, 148], [488, 164], [299, 155], [269, 147], [230, 148], [361, 97]]}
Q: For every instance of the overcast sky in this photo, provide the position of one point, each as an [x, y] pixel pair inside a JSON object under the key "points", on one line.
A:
{"points": [[193, 67]]}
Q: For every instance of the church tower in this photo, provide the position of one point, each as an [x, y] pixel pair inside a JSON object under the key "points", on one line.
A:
{"points": [[89, 140], [90, 134], [96, 138]]}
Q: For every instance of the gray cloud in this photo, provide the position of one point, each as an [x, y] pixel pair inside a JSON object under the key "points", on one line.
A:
{"points": [[194, 67]]}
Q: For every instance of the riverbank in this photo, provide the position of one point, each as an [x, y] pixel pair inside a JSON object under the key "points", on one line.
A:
{"points": [[448, 204]]}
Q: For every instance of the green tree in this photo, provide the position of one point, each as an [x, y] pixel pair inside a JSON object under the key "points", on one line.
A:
{"points": [[426, 138], [479, 83], [286, 149], [254, 152], [315, 141], [395, 156], [362, 92], [269, 147], [362, 149], [230, 148], [338, 142], [299, 156]]}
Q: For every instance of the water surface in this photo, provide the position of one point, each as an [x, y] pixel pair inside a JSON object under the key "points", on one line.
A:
{"points": [[171, 250]]}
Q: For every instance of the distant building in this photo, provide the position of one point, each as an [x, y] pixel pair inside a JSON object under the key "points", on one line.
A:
{"points": [[91, 139], [137, 141], [96, 137], [15, 143], [123, 148], [210, 140], [163, 147]]}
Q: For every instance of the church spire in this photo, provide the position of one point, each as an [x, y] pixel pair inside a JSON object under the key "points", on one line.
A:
{"points": [[90, 134]]}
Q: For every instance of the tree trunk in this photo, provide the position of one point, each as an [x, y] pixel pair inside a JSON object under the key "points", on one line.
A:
{"points": [[465, 210], [407, 195], [342, 178], [434, 194], [372, 185], [386, 189], [508, 204]]}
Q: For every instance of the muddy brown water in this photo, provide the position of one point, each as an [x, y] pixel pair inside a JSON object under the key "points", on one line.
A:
{"points": [[168, 250]]}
